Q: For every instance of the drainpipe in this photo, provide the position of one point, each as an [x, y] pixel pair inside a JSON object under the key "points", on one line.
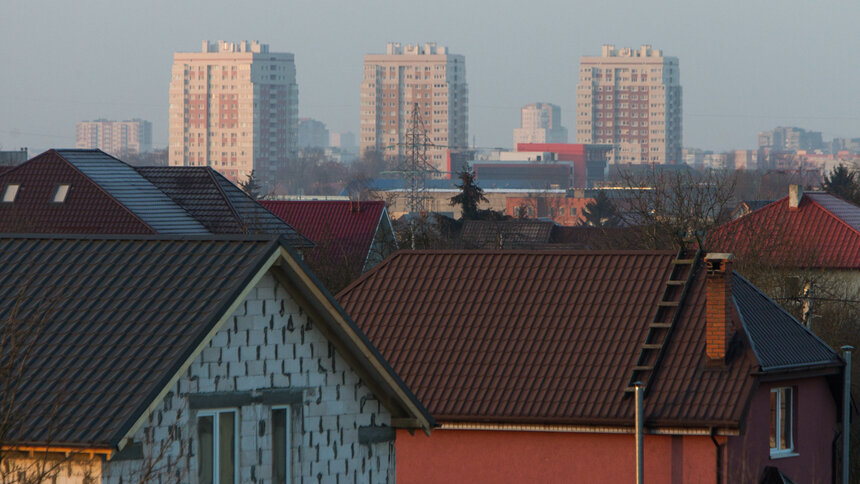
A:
{"points": [[640, 428], [846, 414]]}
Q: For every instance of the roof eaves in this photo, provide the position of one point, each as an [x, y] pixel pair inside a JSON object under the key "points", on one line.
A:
{"points": [[256, 270], [782, 310], [335, 307]]}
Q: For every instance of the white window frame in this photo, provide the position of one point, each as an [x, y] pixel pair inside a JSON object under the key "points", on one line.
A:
{"points": [[11, 192], [288, 445], [61, 191], [215, 414], [777, 396]]}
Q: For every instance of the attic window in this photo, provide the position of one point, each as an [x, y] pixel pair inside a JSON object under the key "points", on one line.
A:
{"points": [[60, 193], [10, 192]]}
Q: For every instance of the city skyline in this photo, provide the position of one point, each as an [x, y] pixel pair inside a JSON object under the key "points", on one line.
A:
{"points": [[741, 75]]}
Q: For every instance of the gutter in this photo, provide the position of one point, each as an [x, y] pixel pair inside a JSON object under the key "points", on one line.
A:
{"points": [[591, 429]]}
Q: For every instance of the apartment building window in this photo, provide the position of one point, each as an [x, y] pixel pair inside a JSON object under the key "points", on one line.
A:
{"points": [[217, 433], [281, 445], [781, 421]]}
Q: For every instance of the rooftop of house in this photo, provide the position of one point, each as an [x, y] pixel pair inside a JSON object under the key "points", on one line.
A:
{"points": [[344, 229], [494, 234], [552, 337], [821, 231], [105, 322], [91, 192]]}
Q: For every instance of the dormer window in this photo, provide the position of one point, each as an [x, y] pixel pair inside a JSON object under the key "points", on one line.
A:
{"points": [[10, 192], [60, 193]]}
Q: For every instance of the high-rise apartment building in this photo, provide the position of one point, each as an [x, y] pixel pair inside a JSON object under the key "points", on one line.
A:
{"points": [[118, 138], [631, 99], [312, 134], [540, 123], [234, 107], [425, 77]]}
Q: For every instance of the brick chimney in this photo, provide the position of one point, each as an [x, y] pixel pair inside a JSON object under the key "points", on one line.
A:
{"points": [[795, 194], [718, 319]]}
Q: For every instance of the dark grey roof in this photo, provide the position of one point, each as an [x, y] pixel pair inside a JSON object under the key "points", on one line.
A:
{"points": [[778, 340], [134, 191], [843, 210], [256, 217], [509, 234], [217, 203], [111, 320]]}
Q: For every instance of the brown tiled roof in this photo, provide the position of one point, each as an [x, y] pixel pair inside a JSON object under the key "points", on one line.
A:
{"points": [[544, 337]]}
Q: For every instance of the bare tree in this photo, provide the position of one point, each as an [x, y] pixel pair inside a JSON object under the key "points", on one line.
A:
{"points": [[675, 208]]}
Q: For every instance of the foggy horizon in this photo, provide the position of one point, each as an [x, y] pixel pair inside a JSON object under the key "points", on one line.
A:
{"points": [[743, 68]]}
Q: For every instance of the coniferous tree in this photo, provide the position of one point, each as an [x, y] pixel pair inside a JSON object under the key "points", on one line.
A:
{"points": [[470, 194], [843, 183], [600, 212], [251, 187]]}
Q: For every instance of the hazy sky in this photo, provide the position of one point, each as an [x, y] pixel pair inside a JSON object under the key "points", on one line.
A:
{"points": [[746, 66]]}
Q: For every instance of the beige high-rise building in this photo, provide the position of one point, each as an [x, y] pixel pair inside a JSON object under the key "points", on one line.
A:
{"points": [[540, 123], [631, 99], [234, 107], [117, 138], [423, 76]]}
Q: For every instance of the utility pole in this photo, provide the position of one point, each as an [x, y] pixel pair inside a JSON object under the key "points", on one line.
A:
{"points": [[414, 168]]}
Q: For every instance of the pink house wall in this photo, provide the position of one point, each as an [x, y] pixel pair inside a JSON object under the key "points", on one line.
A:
{"points": [[815, 429], [454, 456]]}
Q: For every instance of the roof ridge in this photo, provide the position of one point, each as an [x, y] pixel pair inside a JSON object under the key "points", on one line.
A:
{"points": [[98, 185], [211, 173], [133, 169], [618, 252]]}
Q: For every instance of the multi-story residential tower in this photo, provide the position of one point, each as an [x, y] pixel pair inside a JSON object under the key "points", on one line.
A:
{"points": [[312, 134], [540, 123], [423, 76], [118, 138], [234, 107], [631, 99]]}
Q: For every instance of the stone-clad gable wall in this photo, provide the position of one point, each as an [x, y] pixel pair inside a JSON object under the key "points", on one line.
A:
{"points": [[269, 343]]}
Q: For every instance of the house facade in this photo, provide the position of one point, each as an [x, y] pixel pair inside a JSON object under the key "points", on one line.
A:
{"points": [[527, 359], [270, 384]]}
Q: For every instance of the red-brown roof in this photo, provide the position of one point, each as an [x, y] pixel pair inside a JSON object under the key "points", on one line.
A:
{"points": [[343, 229], [823, 232], [87, 209], [543, 337]]}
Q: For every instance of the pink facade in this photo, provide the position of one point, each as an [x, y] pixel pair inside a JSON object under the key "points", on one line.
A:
{"points": [[454, 456], [555, 457], [815, 417]]}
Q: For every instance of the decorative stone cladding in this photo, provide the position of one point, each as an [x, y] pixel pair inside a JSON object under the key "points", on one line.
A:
{"points": [[268, 343]]}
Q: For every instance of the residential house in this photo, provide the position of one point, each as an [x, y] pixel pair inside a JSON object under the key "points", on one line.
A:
{"points": [[350, 236], [187, 359], [813, 234], [91, 192], [528, 361]]}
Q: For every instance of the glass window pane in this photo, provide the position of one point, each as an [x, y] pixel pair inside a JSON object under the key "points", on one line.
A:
{"points": [[772, 420], [60, 194], [785, 419], [204, 452], [226, 448], [10, 192], [279, 446]]}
